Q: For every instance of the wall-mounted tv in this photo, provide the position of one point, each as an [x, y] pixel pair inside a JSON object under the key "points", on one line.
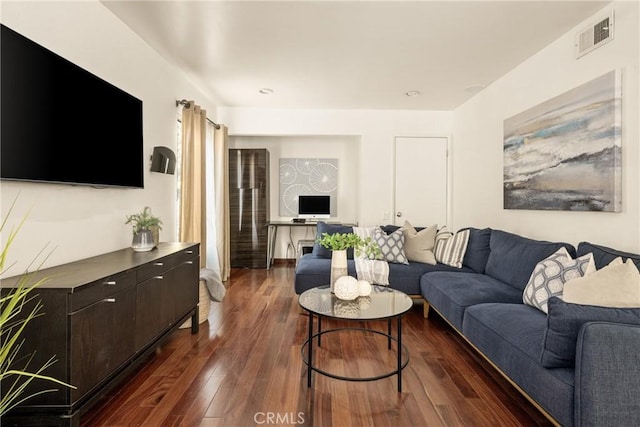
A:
{"points": [[314, 206], [63, 124]]}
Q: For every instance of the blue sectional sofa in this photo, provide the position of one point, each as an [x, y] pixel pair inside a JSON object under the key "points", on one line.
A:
{"points": [[314, 269], [580, 365]]}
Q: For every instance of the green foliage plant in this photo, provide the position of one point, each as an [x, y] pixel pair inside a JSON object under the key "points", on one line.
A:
{"points": [[15, 372], [143, 221], [343, 241]]}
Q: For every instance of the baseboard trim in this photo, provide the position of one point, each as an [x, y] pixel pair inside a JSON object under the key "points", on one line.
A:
{"points": [[284, 261]]}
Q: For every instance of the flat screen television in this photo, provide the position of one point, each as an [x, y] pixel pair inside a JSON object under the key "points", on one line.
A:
{"points": [[63, 124], [314, 207]]}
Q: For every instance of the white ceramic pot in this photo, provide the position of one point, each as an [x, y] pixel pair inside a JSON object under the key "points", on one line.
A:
{"points": [[338, 266]]}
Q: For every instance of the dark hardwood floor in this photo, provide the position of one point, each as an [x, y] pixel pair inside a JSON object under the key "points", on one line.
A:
{"points": [[244, 368]]}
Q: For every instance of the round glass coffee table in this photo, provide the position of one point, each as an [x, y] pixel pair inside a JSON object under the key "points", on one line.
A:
{"points": [[384, 303]]}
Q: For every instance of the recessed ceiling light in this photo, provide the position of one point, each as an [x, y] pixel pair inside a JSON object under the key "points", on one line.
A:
{"points": [[413, 93], [266, 91]]}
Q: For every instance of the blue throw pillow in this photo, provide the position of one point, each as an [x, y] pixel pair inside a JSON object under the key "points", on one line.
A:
{"points": [[390, 228], [513, 257], [323, 227], [564, 321], [603, 255], [478, 249]]}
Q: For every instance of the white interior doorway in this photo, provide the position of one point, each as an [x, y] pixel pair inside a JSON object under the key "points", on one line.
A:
{"points": [[421, 176]]}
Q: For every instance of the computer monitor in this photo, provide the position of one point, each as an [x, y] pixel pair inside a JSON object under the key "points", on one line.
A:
{"points": [[314, 207]]}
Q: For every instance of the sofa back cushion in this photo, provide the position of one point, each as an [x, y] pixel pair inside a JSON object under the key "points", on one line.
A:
{"points": [[390, 228], [513, 257], [478, 249], [603, 255], [323, 227]]}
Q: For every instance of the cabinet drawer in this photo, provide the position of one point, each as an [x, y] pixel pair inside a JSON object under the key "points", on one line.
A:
{"points": [[187, 254], [155, 268], [100, 289]]}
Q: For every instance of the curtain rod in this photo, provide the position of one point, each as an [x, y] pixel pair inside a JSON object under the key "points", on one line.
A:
{"points": [[187, 104]]}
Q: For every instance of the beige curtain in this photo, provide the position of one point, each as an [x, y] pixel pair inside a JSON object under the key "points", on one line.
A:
{"points": [[221, 185], [193, 214]]}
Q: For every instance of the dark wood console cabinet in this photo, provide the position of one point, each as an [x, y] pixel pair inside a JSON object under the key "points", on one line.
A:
{"points": [[102, 317]]}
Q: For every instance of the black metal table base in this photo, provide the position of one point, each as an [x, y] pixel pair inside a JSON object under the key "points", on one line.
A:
{"points": [[402, 360]]}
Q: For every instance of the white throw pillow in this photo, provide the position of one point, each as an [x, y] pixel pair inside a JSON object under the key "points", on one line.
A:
{"points": [[615, 285], [550, 276], [418, 245]]}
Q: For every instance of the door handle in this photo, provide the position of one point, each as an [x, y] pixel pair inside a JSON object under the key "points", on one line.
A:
{"points": [[399, 214]]}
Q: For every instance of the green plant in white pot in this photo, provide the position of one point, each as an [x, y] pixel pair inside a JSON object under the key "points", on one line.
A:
{"points": [[145, 227], [339, 243]]}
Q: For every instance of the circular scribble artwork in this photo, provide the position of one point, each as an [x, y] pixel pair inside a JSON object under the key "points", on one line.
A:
{"points": [[307, 176]]}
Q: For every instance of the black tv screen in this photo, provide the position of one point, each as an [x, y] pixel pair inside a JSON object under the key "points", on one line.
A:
{"points": [[314, 206], [62, 124]]}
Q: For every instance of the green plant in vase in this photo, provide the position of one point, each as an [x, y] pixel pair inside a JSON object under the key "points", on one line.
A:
{"points": [[344, 241], [145, 228], [339, 243]]}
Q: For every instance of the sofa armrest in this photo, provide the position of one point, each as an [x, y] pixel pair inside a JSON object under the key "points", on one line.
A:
{"points": [[607, 375]]}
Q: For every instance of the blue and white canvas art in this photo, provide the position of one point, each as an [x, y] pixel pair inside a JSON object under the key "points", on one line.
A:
{"points": [[565, 154]]}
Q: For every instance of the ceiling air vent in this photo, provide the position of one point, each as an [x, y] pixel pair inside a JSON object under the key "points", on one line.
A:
{"points": [[595, 35]]}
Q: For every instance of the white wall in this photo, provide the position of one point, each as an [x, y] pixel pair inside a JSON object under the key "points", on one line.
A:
{"points": [[374, 129], [82, 221], [478, 139]]}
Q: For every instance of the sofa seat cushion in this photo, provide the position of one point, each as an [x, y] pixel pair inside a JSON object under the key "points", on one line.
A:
{"points": [[406, 277], [511, 335], [513, 257], [451, 293]]}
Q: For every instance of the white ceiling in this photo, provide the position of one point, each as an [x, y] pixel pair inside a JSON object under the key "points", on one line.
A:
{"points": [[349, 54]]}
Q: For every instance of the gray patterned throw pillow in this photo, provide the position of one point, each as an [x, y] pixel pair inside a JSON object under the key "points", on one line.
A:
{"points": [[391, 245], [550, 275]]}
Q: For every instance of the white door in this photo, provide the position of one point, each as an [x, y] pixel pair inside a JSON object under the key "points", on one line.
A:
{"points": [[421, 181]]}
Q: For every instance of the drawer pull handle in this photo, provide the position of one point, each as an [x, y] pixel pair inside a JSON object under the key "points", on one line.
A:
{"points": [[189, 262], [110, 282], [109, 300], [159, 264], [189, 252], [158, 277]]}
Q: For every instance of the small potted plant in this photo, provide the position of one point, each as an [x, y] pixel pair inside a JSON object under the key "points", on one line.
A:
{"points": [[339, 243], [146, 229]]}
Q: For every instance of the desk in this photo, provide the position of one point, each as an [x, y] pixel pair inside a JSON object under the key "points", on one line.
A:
{"points": [[272, 234]]}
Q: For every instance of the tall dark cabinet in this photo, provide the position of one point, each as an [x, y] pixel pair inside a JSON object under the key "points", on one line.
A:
{"points": [[248, 206]]}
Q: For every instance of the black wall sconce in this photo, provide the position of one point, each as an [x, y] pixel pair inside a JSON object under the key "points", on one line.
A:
{"points": [[163, 160]]}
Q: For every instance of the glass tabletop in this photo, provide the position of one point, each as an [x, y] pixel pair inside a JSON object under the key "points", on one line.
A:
{"points": [[383, 303]]}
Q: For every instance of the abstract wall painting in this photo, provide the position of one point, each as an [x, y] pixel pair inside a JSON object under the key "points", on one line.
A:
{"points": [[565, 154], [307, 177]]}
